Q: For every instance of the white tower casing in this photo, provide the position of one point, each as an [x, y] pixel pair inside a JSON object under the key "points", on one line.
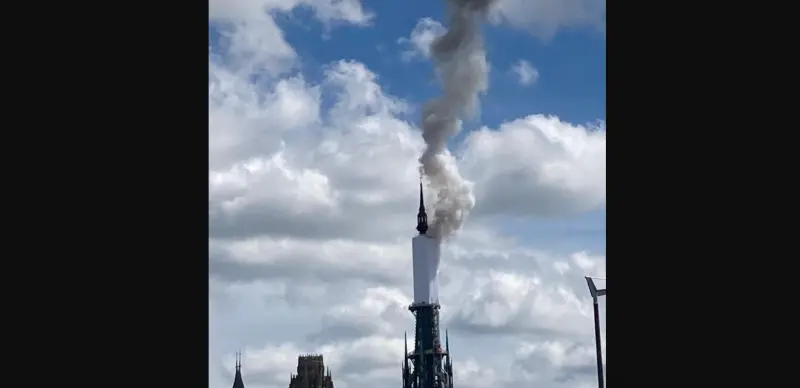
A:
{"points": [[425, 254]]}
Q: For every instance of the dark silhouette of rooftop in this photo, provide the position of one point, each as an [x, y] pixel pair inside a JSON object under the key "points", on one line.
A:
{"points": [[311, 373], [422, 217], [237, 379]]}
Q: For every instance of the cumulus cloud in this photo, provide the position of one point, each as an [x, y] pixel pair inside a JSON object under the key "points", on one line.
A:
{"points": [[380, 311], [254, 42], [269, 258], [418, 44], [312, 201], [543, 314], [543, 18], [474, 374], [357, 165], [537, 165], [525, 72], [560, 363], [514, 304]]}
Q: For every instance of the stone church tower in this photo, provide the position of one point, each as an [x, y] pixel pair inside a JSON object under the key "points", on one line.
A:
{"points": [[311, 373]]}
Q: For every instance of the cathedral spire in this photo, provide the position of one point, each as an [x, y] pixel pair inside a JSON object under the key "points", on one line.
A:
{"points": [[446, 341], [422, 217], [405, 350], [237, 379]]}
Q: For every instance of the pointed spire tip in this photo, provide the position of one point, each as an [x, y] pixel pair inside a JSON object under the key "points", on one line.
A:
{"points": [[422, 217]]}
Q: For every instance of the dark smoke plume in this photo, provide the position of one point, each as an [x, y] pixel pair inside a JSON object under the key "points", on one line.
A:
{"points": [[460, 61]]}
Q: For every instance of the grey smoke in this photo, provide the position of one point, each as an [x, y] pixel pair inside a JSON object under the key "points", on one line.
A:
{"points": [[460, 61]]}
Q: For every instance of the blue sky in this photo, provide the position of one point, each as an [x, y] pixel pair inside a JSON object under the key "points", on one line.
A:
{"points": [[572, 64], [312, 209]]}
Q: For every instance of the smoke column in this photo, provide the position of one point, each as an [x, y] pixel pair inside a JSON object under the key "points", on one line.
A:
{"points": [[461, 63]]}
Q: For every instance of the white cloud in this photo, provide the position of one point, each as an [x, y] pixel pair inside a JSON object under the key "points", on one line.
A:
{"points": [[418, 44], [357, 165], [379, 311], [537, 165], [473, 374], [544, 317], [507, 302], [256, 43], [326, 11], [556, 363], [312, 202], [543, 18], [279, 258], [525, 72]]}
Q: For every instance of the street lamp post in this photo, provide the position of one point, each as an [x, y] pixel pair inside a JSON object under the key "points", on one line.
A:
{"points": [[595, 294]]}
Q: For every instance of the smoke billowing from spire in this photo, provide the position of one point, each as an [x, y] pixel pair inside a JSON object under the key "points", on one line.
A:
{"points": [[461, 63]]}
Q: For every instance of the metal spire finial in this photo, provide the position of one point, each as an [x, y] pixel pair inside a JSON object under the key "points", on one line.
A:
{"points": [[421, 197], [447, 341], [422, 217]]}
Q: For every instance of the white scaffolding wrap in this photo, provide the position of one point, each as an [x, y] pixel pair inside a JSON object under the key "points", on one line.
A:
{"points": [[425, 253]]}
